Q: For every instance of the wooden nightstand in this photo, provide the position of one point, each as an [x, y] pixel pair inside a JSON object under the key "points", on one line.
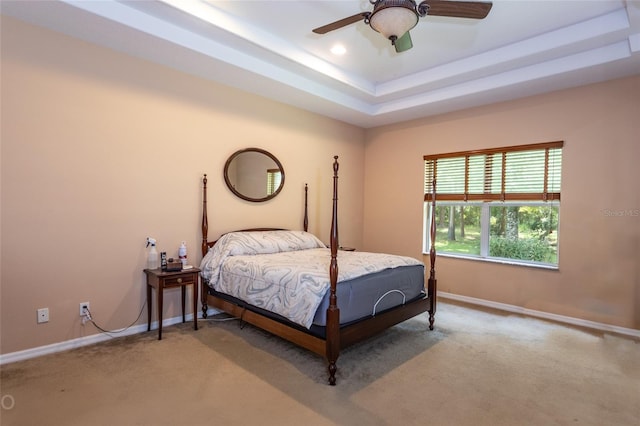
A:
{"points": [[160, 280]]}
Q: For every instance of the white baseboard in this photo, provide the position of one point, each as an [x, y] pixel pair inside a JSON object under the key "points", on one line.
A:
{"points": [[141, 328], [540, 314], [87, 340]]}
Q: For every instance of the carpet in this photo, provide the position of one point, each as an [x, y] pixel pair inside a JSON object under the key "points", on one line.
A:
{"points": [[478, 367]]}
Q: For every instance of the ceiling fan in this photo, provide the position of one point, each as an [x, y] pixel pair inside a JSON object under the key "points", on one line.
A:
{"points": [[394, 18]]}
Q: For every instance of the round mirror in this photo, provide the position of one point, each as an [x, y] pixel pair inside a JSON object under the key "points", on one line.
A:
{"points": [[254, 174]]}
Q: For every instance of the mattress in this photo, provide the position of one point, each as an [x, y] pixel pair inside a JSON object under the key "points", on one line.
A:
{"points": [[374, 293], [361, 297], [287, 273]]}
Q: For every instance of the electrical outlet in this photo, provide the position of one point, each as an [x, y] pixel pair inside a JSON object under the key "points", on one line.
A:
{"points": [[84, 309], [43, 315]]}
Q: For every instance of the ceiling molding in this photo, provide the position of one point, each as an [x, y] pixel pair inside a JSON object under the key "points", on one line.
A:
{"points": [[201, 39]]}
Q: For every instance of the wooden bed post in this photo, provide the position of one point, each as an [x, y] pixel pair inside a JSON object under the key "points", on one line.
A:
{"points": [[306, 215], [333, 313], [205, 247], [205, 223], [432, 283]]}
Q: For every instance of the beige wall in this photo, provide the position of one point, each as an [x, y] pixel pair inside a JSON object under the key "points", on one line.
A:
{"points": [[598, 277], [101, 150]]}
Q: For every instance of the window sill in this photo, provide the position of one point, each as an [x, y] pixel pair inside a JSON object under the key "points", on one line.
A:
{"points": [[499, 261]]}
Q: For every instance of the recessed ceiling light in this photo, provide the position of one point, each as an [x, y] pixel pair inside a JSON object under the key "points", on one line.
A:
{"points": [[338, 49]]}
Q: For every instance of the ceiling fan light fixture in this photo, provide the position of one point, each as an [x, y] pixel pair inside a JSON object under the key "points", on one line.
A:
{"points": [[393, 18]]}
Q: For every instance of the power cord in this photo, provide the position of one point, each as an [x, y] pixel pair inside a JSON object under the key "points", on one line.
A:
{"points": [[223, 319], [89, 317]]}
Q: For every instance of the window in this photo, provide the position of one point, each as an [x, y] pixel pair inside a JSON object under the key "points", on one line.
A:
{"points": [[496, 204]]}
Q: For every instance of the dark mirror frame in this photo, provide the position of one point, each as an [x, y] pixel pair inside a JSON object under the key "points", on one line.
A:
{"points": [[245, 197]]}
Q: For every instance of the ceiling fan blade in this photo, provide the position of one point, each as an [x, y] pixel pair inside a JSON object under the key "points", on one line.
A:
{"points": [[341, 23], [403, 43], [458, 9]]}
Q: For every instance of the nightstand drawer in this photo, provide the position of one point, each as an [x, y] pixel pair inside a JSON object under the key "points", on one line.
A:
{"points": [[185, 279]]}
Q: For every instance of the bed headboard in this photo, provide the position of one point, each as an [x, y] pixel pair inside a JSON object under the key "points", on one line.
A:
{"points": [[206, 244]]}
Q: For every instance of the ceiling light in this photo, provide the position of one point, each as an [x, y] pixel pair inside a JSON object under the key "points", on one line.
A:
{"points": [[393, 18], [338, 49]]}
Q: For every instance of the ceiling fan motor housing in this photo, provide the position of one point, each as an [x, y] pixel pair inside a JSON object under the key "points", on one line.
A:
{"points": [[393, 18]]}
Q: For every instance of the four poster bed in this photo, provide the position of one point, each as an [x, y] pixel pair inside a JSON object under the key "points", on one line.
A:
{"points": [[290, 284]]}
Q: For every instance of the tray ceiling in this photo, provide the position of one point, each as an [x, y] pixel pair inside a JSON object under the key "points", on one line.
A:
{"points": [[522, 48]]}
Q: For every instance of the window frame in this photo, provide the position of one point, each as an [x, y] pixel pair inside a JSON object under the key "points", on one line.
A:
{"points": [[485, 231], [485, 178]]}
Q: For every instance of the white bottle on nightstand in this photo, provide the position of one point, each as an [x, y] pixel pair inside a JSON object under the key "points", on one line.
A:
{"points": [[152, 259], [182, 253]]}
